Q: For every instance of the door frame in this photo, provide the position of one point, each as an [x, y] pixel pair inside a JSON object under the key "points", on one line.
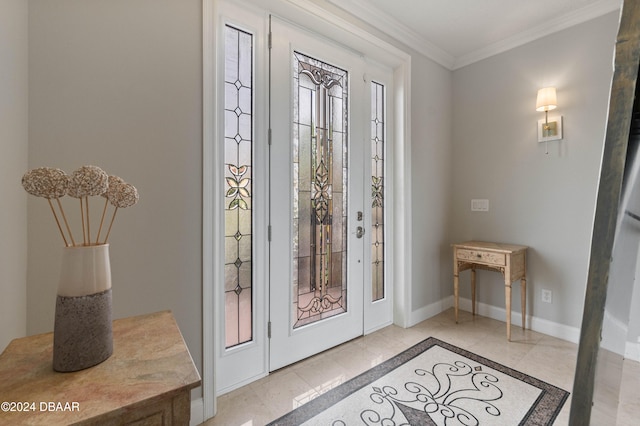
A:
{"points": [[319, 20]]}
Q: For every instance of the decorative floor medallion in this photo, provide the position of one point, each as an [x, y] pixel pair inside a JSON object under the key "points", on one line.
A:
{"points": [[435, 383]]}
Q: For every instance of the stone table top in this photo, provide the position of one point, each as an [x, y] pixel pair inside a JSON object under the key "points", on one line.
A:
{"points": [[150, 362]]}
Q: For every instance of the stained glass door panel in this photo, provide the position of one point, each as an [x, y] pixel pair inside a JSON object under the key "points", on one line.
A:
{"points": [[320, 141]]}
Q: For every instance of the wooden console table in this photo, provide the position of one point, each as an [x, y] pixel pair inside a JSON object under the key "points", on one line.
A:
{"points": [[508, 259], [147, 380]]}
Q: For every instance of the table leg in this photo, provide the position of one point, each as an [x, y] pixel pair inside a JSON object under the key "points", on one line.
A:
{"points": [[523, 301], [507, 296], [473, 291], [456, 282], [455, 293]]}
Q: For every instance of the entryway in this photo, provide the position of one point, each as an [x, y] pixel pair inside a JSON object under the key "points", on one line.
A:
{"points": [[304, 222]]}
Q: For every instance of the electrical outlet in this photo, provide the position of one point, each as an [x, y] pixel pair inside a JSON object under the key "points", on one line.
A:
{"points": [[546, 296]]}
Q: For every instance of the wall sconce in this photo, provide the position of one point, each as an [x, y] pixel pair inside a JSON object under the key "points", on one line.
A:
{"points": [[549, 129]]}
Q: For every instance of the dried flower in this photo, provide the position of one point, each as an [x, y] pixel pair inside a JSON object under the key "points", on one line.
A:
{"points": [[114, 181], [46, 182], [124, 196], [88, 181]]}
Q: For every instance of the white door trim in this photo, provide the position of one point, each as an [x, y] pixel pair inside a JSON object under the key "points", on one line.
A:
{"points": [[209, 214], [315, 17]]}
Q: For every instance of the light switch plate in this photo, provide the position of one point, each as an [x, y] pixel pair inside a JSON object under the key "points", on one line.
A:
{"points": [[479, 205]]}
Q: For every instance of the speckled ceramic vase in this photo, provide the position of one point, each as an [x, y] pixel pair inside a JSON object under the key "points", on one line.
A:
{"points": [[82, 334]]}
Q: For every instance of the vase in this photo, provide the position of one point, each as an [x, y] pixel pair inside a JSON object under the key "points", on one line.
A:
{"points": [[82, 334]]}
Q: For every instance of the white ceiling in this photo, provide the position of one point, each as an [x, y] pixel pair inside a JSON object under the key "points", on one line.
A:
{"points": [[456, 33]]}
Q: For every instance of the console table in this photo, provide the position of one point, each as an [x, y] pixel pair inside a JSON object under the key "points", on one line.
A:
{"points": [[508, 259], [147, 380]]}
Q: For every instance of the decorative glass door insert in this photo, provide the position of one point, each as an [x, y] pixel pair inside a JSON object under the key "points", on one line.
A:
{"points": [[319, 190]]}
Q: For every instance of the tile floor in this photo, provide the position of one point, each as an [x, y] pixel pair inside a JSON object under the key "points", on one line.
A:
{"points": [[547, 358]]}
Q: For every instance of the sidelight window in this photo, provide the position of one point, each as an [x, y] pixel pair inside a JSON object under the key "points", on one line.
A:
{"points": [[238, 165], [377, 190]]}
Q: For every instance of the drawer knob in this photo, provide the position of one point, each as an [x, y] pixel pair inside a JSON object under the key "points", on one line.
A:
{"points": [[479, 255]]}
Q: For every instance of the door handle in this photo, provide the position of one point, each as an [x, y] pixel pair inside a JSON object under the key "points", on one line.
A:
{"points": [[359, 232]]}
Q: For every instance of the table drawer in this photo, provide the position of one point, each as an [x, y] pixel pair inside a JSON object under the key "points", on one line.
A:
{"points": [[481, 256]]}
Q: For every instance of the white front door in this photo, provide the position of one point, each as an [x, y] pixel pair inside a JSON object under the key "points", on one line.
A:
{"points": [[320, 114]]}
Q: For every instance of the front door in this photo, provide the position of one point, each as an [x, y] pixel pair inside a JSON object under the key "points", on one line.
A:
{"points": [[319, 115]]}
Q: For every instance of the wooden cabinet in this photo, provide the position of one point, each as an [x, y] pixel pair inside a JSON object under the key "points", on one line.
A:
{"points": [[508, 259], [147, 381]]}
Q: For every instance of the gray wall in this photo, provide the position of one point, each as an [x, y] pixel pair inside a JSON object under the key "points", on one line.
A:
{"points": [[431, 161], [545, 201], [118, 84], [13, 163]]}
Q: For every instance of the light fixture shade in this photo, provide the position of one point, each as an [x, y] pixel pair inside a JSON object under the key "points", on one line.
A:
{"points": [[546, 99]]}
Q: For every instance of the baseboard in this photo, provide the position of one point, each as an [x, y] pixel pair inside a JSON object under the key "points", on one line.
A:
{"points": [[431, 310], [550, 328], [554, 329], [613, 334], [197, 412], [632, 351]]}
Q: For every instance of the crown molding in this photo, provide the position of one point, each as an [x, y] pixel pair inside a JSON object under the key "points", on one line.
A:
{"points": [[560, 23], [394, 28], [310, 7]]}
